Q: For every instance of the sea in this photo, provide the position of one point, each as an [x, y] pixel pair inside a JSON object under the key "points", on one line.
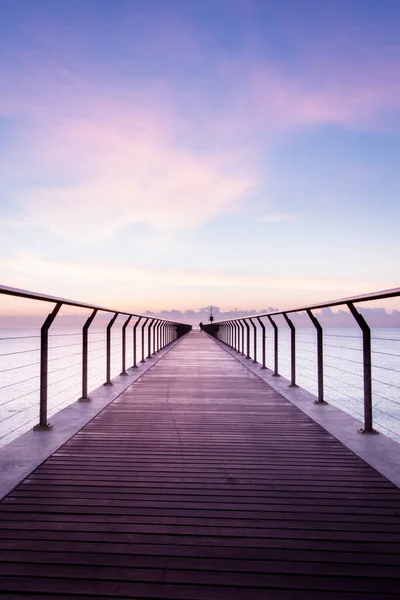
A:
{"points": [[343, 371], [20, 371]]}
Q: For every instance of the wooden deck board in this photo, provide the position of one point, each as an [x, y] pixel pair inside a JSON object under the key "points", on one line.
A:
{"points": [[201, 482]]}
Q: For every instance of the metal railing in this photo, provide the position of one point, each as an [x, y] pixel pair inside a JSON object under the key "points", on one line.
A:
{"points": [[148, 335], [243, 334]]}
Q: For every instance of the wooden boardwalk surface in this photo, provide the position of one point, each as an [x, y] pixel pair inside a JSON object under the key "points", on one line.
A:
{"points": [[201, 482]]}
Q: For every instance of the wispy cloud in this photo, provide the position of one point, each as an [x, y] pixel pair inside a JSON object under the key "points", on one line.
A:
{"points": [[96, 156], [12, 224], [110, 162], [132, 285], [279, 217], [133, 180], [269, 103]]}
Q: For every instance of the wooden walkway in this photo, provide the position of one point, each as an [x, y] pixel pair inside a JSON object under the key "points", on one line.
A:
{"points": [[201, 482]]}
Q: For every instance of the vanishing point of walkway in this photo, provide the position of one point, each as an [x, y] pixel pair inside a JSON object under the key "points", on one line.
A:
{"points": [[201, 482]]}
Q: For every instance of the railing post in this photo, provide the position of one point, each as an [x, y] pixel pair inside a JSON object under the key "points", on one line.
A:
{"points": [[149, 335], [162, 327], [44, 364], [263, 366], [125, 325], [238, 330], [292, 350], [85, 336], [255, 340], [276, 346], [142, 340], [232, 334], [367, 368], [320, 357], [157, 337], [242, 328], [134, 342], [247, 338], [108, 350], [163, 334], [154, 336]]}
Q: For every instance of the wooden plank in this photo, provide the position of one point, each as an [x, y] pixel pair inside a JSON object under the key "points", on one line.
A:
{"points": [[76, 576], [279, 563], [201, 482], [292, 552]]}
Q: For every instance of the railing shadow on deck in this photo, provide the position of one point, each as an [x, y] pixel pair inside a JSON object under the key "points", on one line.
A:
{"points": [[248, 336], [28, 363]]}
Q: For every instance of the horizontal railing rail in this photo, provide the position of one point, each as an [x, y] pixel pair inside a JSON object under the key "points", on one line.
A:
{"points": [[148, 335], [244, 333]]}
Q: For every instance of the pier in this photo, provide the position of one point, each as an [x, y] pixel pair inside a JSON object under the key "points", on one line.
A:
{"points": [[201, 481]]}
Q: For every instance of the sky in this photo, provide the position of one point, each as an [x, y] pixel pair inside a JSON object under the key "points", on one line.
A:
{"points": [[174, 154]]}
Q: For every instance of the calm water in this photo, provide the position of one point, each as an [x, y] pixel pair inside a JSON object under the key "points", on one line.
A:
{"points": [[19, 371], [343, 372]]}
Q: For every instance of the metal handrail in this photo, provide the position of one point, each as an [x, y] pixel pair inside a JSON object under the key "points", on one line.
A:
{"points": [[169, 331], [11, 291], [225, 331], [382, 295]]}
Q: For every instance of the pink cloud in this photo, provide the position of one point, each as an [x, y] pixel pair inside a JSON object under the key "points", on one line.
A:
{"points": [[347, 87], [274, 103], [123, 177], [117, 157], [126, 170], [153, 153]]}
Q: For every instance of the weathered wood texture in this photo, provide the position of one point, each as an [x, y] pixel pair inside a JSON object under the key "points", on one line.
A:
{"points": [[201, 482]]}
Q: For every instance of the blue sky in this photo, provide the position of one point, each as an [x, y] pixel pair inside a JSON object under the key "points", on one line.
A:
{"points": [[173, 154]]}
